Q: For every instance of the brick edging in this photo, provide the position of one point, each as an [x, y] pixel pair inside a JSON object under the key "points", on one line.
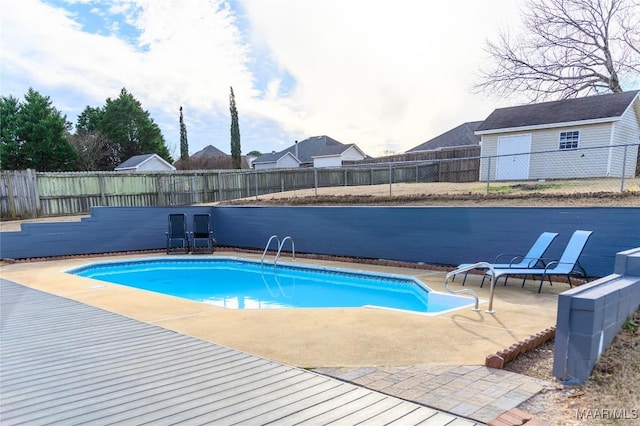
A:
{"points": [[499, 359]]}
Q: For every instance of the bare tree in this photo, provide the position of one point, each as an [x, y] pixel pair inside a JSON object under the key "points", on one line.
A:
{"points": [[94, 151], [569, 48]]}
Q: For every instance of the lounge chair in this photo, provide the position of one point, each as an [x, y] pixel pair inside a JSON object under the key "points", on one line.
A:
{"points": [[567, 266], [177, 235], [202, 235], [532, 259]]}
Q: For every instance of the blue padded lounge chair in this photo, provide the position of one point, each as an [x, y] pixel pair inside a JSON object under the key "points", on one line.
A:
{"points": [[202, 235], [177, 235], [532, 259], [567, 266]]}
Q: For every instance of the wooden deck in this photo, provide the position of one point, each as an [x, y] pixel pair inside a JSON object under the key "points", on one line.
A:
{"points": [[63, 362]]}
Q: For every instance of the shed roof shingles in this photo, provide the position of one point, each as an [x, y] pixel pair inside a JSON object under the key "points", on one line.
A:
{"points": [[564, 111], [135, 161]]}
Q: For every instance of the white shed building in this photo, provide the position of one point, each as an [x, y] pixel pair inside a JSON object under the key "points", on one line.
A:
{"points": [[587, 137], [145, 163]]}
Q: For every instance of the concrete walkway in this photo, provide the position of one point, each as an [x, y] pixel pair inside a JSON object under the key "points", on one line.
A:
{"points": [[472, 391]]}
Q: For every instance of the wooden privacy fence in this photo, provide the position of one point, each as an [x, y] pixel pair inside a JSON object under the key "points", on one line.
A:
{"points": [[30, 194], [19, 194]]}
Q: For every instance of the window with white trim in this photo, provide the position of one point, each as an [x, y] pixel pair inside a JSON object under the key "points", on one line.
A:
{"points": [[569, 140]]}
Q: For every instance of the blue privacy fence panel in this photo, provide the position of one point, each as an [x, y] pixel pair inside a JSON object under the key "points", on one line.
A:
{"points": [[439, 235], [108, 229]]}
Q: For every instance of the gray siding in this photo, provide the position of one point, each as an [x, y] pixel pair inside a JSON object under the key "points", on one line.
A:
{"points": [[570, 163], [626, 131], [587, 161]]}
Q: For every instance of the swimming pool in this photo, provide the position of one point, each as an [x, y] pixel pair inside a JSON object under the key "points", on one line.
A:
{"points": [[245, 284]]}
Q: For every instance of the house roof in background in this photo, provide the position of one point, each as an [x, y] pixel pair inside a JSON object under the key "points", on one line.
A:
{"points": [[138, 160], [331, 150], [273, 157], [335, 150], [209, 151], [307, 149], [462, 135], [600, 107]]}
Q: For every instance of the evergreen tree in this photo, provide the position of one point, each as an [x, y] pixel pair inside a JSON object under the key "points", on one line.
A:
{"points": [[89, 119], [184, 144], [10, 143], [130, 129], [34, 135], [235, 132]]}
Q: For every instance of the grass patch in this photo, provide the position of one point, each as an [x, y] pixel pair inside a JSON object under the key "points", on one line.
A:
{"points": [[501, 189]]}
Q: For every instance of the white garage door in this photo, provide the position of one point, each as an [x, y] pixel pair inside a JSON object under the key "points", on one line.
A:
{"points": [[513, 157]]}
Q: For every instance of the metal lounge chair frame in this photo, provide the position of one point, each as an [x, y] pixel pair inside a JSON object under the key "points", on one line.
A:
{"points": [[567, 266], [177, 234], [533, 258], [202, 233]]}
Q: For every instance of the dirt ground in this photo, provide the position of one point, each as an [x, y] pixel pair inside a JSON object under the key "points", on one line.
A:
{"points": [[477, 200], [614, 384], [577, 193]]}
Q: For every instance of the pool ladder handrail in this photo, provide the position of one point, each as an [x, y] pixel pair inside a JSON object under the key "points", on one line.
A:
{"points": [[293, 249], [275, 261], [264, 253], [280, 244], [478, 265]]}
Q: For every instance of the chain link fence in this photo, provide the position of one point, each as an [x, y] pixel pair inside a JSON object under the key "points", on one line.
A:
{"points": [[612, 169]]}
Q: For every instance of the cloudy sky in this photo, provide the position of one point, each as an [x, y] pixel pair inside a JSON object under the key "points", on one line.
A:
{"points": [[384, 74]]}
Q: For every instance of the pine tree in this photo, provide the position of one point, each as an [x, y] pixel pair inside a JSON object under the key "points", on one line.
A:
{"points": [[131, 129], [34, 135], [235, 132], [11, 156], [184, 144]]}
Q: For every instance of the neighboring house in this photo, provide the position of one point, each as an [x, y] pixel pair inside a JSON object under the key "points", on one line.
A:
{"points": [[209, 152], [301, 154], [212, 157], [461, 136], [334, 155], [276, 160], [249, 160], [564, 128], [145, 163]]}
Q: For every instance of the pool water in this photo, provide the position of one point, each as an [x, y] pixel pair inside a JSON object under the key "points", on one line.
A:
{"points": [[243, 284]]}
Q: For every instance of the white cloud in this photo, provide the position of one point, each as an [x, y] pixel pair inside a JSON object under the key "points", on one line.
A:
{"points": [[381, 74], [385, 75]]}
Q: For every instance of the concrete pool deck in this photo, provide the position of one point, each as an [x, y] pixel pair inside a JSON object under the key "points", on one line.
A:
{"points": [[437, 361], [310, 338]]}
